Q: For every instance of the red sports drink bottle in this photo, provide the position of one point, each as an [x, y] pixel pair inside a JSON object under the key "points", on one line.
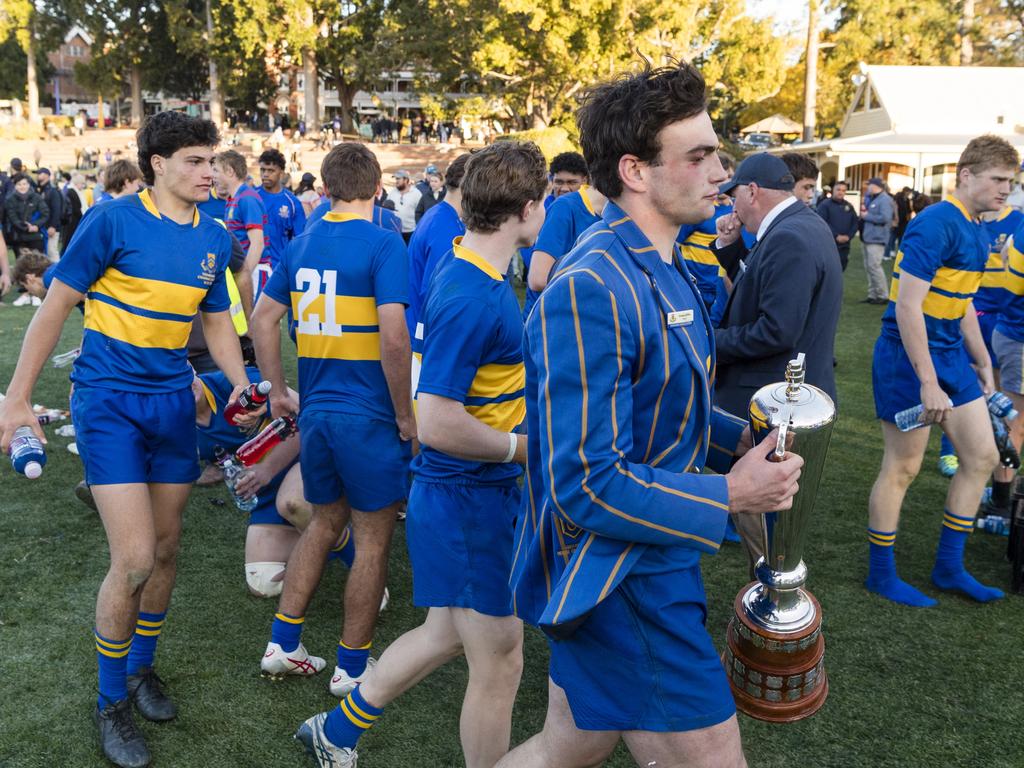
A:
{"points": [[251, 398], [277, 431]]}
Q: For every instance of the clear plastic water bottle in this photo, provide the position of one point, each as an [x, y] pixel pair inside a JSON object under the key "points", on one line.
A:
{"points": [[27, 455], [911, 418], [233, 472], [1000, 526], [1001, 406]]}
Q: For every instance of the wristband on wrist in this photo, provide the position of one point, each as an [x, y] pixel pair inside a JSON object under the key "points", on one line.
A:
{"points": [[513, 443]]}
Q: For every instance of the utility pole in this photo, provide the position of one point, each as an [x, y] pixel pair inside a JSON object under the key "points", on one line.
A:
{"points": [[811, 74]]}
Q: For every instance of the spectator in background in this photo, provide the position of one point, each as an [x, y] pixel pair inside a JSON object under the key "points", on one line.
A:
{"points": [[307, 194], [805, 172], [25, 213], [52, 224], [842, 219], [77, 204], [405, 197], [903, 214], [433, 195], [877, 215]]}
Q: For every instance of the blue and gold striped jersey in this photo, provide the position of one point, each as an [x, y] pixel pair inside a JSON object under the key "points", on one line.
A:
{"points": [[1011, 315], [992, 294], [144, 277], [334, 276], [620, 369], [472, 353], [694, 242], [943, 246]]}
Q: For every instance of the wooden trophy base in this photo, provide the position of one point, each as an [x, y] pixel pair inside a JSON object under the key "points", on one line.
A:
{"points": [[775, 677]]}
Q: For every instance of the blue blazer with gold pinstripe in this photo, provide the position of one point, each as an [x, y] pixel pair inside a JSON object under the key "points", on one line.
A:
{"points": [[620, 362]]}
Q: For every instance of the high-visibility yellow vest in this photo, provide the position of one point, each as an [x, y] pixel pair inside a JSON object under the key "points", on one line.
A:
{"points": [[237, 314]]}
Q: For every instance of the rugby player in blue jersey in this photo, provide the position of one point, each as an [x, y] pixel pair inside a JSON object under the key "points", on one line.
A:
{"points": [[931, 353], [145, 265], [465, 496]]}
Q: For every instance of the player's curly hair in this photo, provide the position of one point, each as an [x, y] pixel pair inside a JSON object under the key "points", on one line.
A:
{"points": [[166, 132], [273, 157], [570, 162], [500, 180], [624, 117]]}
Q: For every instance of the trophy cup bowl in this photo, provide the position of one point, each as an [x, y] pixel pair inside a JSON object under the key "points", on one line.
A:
{"points": [[774, 657]]}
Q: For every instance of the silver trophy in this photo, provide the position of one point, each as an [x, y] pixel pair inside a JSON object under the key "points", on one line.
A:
{"points": [[775, 650]]}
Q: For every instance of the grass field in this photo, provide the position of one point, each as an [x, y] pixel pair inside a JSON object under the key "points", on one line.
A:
{"points": [[936, 687]]}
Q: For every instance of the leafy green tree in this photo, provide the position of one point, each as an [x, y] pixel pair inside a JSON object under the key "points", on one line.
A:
{"points": [[37, 27]]}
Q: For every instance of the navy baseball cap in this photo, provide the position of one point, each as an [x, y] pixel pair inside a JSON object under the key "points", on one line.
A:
{"points": [[44, 170], [767, 171], [876, 181]]}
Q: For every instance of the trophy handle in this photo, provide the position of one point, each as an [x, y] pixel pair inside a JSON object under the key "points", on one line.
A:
{"points": [[780, 445]]}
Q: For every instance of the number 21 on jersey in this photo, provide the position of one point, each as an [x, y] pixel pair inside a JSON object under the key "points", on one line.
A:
{"points": [[309, 281]]}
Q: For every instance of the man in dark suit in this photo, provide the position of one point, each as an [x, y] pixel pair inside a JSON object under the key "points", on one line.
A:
{"points": [[787, 291]]}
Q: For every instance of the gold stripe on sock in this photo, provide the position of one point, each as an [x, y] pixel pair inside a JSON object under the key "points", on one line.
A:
{"points": [[290, 619]]}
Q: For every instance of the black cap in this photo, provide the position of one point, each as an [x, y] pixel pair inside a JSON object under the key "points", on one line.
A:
{"points": [[309, 177], [44, 170], [767, 171], [16, 163]]}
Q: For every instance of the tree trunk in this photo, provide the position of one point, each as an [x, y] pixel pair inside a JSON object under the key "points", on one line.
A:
{"points": [[346, 92], [216, 97], [811, 72], [311, 91], [100, 122], [30, 75], [136, 90], [966, 30]]}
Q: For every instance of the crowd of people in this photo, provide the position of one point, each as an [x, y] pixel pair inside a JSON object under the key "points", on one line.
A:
{"points": [[565, 463]]}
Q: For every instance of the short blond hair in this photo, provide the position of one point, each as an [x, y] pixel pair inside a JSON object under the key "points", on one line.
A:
{"points": [[986, 152]]}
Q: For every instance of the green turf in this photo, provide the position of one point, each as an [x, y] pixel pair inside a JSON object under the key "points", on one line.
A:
{"points": [[938, 687]]}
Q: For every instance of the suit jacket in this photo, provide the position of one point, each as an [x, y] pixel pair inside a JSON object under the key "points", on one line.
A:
{"points": [[619, 370], [786, 301]]}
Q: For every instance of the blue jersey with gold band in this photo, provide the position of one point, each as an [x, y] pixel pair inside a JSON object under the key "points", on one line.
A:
{"points": [[472, 353], [144, 277], [428, 246], [285, 221], [1011, 315], [694, 242], [334, 276], [992, 294], [568, 217], [619, 373], [943, 246]]}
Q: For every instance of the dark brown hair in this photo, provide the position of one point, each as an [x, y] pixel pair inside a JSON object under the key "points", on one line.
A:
{"points": [[454, 173], [801, 166], [350, 172], [119, 173], [30, 262], [625, 116], [166, 132], [986, 152], [500, 180]]}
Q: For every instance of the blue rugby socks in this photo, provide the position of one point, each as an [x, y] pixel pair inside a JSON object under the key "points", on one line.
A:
{"points": [[350, 720], [147, 632], [345, 549], [112, 656], [353, 660], [287, 631], [882, 578], [949, 572]]}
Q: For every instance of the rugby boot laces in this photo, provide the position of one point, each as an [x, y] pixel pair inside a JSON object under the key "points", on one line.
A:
{"points": [[120, 738], [146, 690], [276, 663], [342, 683], [311, 735]]}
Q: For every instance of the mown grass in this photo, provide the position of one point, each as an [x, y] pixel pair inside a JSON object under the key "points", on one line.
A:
{"points": [[908, 687]]}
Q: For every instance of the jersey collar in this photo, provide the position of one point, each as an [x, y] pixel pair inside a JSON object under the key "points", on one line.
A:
{"points": [[147, 202], [474, 258], [337, 218], [963, 209], [636, 242], [586, 199]]}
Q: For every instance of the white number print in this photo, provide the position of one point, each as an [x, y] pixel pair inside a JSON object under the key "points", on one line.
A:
{"points": [[309, 280]]}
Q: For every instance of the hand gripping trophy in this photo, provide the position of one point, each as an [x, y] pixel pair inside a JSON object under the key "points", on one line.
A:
{"points": [[775, 652]]}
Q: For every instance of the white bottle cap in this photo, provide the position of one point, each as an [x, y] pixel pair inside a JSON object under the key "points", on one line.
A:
{"points": [[33, 470]]}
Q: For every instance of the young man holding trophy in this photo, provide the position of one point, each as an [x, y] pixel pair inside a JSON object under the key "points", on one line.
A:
{"points": [[620, 365]]}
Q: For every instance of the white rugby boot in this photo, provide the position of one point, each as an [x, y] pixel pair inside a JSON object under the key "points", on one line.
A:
{"points": [[276, 664], [311, 735], [342, 683]]}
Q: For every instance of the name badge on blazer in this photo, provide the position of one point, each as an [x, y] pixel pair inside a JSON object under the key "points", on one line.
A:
{"points": [[683, 317]]}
